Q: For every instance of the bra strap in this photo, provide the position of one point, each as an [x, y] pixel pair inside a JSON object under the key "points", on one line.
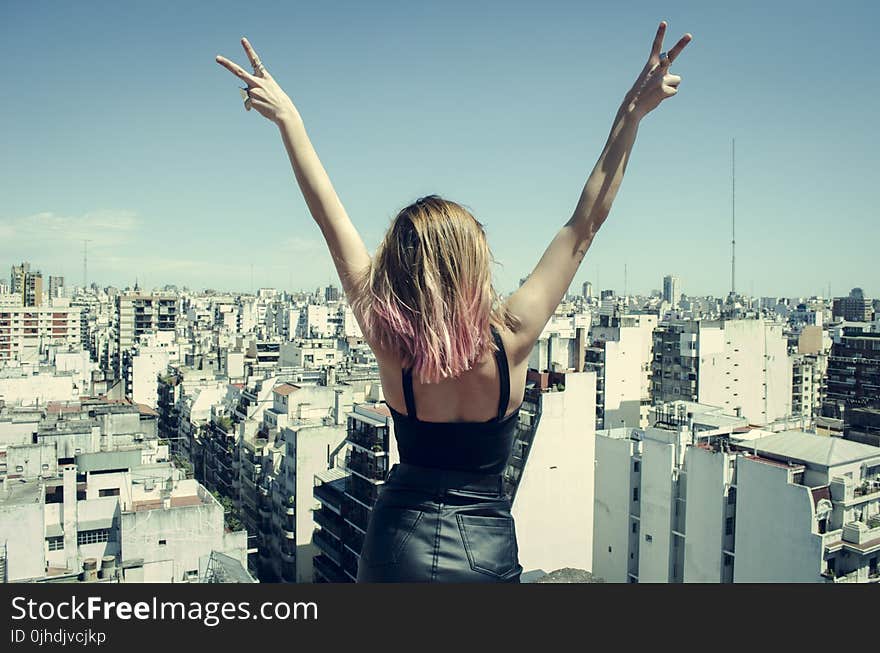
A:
{"points": [[503, 375], [408, 395]]}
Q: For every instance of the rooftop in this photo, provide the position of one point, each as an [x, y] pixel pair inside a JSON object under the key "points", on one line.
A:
{"points": [[821, 450], [285, 389], [176, 502], [20, 492]]}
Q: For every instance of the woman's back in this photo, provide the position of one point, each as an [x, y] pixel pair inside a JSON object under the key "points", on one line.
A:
{"points": [[470, 397]]}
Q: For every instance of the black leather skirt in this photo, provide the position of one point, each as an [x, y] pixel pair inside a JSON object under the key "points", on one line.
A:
{"points": [[440, 526]]}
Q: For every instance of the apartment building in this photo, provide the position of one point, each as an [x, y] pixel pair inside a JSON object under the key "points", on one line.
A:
{"points": [[853, 371], [344, 494], [26, 331], [549, 476], [620, 353], [138, 314], [854, 308], [736, 364], [702, 497], [140, 523]]}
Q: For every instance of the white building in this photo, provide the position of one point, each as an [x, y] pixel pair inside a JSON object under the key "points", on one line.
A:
{"points": [[108, 518], [735, 364], [310, 353], [561, 344], [620, 353], [550, 473], [700, 497], [671, 290], [26, 331]]}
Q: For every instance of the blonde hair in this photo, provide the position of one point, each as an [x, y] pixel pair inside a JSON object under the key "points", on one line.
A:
{"points": [[427, 295]]}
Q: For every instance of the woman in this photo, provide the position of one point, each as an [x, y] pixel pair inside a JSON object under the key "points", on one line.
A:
{"points": [[452, 360]]}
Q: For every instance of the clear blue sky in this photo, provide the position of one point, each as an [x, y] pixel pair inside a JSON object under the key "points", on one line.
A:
{"points": [[118, 126]]}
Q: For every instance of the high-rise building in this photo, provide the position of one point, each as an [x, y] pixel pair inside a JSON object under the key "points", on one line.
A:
{"points": [[699, 497], [853, 372], [347, 494], [671, 290], [550, 473], [331, 294], [17, 277], [620, 353], [138, 314], [734, 364], [26, 330], [587, 290], [855, 308], [56, 287]]}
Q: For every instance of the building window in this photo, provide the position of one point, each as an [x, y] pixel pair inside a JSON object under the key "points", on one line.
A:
{"points": [[55, 543], [109, 492], [635, 527], [636, 466], [93, 536], [648, 538], [728, 526], [635, 494], [727, 561], [163, 542]]}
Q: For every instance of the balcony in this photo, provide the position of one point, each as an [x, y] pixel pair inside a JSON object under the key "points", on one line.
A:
{"points": [[368, 440], [329, 570], [331, 494], [331, 547], [862, 535], [330, 522], [367, 466], [361, 491]]}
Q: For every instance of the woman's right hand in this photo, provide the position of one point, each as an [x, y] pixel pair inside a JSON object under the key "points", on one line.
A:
{"points": [[264, 93], [654, 84]]}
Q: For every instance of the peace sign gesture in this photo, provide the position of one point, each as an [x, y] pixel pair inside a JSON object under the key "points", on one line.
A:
{"points": [[654, 84], [262, 92]]}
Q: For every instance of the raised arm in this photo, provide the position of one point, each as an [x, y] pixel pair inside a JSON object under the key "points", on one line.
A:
{"points": [[263, 93], [536, 300]]}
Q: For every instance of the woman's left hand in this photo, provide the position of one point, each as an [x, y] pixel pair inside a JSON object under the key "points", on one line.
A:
{"points": [[263, 92], [655, 83]]}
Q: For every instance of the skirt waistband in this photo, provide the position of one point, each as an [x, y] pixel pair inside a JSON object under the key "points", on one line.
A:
{"points": [[433, 478]]}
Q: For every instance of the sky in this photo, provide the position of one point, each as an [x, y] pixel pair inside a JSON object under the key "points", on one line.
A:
{"points": [[117, 126]]}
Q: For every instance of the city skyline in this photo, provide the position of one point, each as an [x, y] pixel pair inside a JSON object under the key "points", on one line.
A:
{"points": [[161, 169]]}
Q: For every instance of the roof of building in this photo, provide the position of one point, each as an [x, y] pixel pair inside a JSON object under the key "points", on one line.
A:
{"points": [[20, 491], [822, 450], [285, 388]]}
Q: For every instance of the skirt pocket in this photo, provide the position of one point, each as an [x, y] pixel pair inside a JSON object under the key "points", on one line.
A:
{"points": [[490, 543], [388, 533]]}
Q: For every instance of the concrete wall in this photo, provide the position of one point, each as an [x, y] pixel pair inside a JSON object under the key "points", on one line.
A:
{"points": [[188, 532], [38, 389], [553, 508], [706, 473], [611, 516], [655, 498], [746, 365], [775, 542], [21, 530], [311, 457]]}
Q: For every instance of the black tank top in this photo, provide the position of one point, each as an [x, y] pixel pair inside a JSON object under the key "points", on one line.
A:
{"points": [[467, 446]]}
